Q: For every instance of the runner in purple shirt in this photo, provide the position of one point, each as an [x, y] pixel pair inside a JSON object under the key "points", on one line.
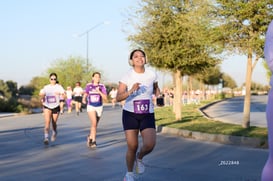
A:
{"points": [[95, 93]]}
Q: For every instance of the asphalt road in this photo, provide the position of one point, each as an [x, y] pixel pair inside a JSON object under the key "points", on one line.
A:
{"points": [[23, 156], [231, 111]]}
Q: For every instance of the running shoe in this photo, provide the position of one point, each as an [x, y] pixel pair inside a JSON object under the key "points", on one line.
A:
{"points": [[93, 144], [89, 141], [53, 137], [139, 166], [129, 177], [46, 141]]}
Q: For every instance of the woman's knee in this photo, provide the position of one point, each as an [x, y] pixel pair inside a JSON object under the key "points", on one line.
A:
{"points": [[132, 146], [149, 137], [149, 146]]}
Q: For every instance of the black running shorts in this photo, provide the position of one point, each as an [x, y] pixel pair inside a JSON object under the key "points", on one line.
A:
{"points": [[137, 121], [78, 99], [54, 110]]}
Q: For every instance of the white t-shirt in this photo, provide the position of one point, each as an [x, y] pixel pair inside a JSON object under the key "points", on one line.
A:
{"points": [[52, 95], [113, 93], [77, 91], [140, 101], [68, 94]]}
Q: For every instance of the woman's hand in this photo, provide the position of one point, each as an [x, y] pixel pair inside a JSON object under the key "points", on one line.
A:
{"points": [[135, 87]]}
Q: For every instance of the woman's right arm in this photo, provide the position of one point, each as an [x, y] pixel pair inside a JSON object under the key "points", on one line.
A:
{"points": [[122, 93], [42, 93]]}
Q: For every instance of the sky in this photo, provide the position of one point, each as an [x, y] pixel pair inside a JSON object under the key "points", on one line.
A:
{"points": [[34, 34]]}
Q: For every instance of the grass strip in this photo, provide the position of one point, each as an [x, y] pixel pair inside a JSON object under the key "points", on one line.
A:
{"points": [[193, 120]]}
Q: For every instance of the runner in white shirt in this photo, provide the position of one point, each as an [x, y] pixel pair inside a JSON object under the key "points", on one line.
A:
{"points": [[77, 93], [113, 95], [137, 88], [50, 94]]}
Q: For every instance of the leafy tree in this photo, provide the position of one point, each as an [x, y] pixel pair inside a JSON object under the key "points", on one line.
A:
{"points": [[268, 71], [26, 90], [72, 70], [255, 86], [69, 71], [211, 76], [244, 23], [8, 102], [12, 87], [228, 81], [4, 91], [29, 93], [37, 83], [176, 36]]}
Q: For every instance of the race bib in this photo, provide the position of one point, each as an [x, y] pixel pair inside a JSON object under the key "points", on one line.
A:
{"points": [[51, 99], [94, 98], [141, 106]]}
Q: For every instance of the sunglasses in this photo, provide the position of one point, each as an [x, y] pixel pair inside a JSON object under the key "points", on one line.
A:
{"points": [[53, 79]]}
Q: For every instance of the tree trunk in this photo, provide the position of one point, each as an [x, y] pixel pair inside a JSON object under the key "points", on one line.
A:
{"points": [[190, 93], [174, 108], [177, 95], [188, 90], [246, 114]]}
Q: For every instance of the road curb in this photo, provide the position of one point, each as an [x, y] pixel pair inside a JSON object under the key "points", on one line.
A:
{"points": [[219, 138], [210, 104]]}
